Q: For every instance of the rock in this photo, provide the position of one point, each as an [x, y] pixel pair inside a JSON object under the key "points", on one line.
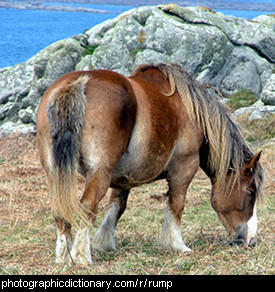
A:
{"points": [[10, 128], [15, 82], [219, 49], [22, 86], [224, 51], [257, 111], [27, 115], [242, 69], [268, 93], [262, 113], [267, 20]]}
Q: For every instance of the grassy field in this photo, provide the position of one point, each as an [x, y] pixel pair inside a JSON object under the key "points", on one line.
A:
{"points": [[27, 231]]}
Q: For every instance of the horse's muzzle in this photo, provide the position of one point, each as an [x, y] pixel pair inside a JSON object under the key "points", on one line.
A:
{"points": [[241, 236]]}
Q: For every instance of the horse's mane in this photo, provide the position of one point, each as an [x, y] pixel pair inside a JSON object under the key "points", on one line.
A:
{"points": [[227, 147]]}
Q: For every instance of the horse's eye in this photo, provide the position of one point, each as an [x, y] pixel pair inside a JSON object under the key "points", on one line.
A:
{"points": [[231, 170]]}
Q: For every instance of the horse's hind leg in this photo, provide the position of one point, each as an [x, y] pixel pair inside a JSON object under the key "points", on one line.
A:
{"points": [[104, 237], [64, 241], [63, 234], [96, 187], [63, 228]]}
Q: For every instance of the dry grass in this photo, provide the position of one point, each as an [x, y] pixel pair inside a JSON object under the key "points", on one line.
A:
{"points": [[27, 232], [258, 130]]}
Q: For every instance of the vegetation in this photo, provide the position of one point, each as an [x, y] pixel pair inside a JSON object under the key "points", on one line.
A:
{"points": [[89, 50], [242, 98], [134, 52], [27, 231], [258, 130], [253, 130]]}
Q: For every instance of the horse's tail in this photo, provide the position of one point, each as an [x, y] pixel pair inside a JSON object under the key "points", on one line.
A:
{"points": [[66, 116]]}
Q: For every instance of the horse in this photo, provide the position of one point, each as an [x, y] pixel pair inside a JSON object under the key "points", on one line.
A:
{"points": [[122, 132]]}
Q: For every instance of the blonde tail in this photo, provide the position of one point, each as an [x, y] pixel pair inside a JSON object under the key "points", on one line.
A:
{"points": [[66, 115]]}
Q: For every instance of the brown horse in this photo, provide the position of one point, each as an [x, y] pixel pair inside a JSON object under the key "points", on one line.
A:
{"points": [[119, 132]]}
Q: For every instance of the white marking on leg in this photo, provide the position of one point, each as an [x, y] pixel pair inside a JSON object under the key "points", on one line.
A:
{"points": [[63, 246], [252, 226], [104, 238], [81, 252], [171, 234]]}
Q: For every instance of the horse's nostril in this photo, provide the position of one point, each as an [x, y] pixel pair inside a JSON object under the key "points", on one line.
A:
{"points": [[252, 242], [240, 235], [239, 241]]}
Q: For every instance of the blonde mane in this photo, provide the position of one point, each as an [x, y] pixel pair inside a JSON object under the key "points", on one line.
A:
{"points": [[227, 147]]}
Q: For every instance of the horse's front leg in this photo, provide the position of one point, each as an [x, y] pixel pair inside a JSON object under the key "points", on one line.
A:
{"points": [[104, 238], [180, 174]]}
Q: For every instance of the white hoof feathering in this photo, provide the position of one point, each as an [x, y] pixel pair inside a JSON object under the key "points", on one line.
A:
{"points": [[81, 253], [63, 247], [104, 238], [171, 234]]}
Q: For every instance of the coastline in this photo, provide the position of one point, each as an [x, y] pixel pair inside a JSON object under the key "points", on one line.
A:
{"points": [[37, 5]]}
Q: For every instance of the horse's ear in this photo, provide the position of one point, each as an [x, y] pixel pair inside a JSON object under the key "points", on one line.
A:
{"points": [[252, 162]]}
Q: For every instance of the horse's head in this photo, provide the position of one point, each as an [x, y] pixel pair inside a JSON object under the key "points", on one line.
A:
{"points": [[237, 211]]}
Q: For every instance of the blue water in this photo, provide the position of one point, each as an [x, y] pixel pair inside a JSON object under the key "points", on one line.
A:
{"points": [[23, 33]]}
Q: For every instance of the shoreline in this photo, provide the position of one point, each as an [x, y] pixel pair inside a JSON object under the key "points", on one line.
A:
{"points": [[219, 5], [36, 5]]}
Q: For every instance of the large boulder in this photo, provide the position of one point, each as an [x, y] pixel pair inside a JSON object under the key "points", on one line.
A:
{"points": [[224, 51], [22, 86], [227, 52], [268, 93]]}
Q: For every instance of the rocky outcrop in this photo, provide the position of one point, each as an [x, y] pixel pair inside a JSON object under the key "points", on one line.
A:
{"points": [[226, 52], [255, 112], [22, 86], [268, 93]]}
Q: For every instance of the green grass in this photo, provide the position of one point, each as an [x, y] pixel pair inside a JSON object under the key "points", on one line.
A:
{"points": [[243, 98], [2, 160], [89, 50]]}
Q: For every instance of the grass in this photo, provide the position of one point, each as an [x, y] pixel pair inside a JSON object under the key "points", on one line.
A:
{"points": [[89, 50], [133, 53], [243, 98], [253, 130], [27, 231], [258, 130]]}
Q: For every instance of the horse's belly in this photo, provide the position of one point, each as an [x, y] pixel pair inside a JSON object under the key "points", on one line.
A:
{"points": [[131, 177], [139, 167]]}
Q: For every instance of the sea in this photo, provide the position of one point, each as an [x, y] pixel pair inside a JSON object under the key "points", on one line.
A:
{"points": [[23, 33]]}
